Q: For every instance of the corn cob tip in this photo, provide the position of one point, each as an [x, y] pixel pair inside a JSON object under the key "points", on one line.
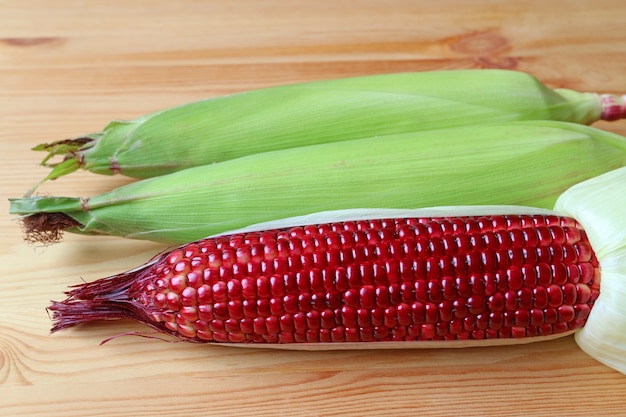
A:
{"points": [[613, 107], [110, 298]]}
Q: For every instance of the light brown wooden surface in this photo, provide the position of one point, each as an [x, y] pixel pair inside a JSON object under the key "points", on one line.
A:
{"points": [[67, 67]]}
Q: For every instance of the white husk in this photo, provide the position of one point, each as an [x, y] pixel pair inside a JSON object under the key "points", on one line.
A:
{"points": [[386, 213], [599, 204], [395, 345]]}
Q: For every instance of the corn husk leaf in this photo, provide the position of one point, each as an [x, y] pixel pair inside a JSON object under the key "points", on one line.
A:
{"points": [[287, 116]]}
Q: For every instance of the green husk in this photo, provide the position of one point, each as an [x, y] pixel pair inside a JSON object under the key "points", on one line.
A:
{"points": [[517, 163], [282, 117]]}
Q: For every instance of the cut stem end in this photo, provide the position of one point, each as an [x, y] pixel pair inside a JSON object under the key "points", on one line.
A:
{"points": [[613, 107]]}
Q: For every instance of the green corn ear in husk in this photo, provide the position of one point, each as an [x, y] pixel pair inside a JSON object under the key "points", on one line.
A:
{"points": [[519, 163], [289, 116]]}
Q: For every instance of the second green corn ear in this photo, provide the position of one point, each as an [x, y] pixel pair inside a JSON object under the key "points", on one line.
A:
{"points": [[519, 163]]}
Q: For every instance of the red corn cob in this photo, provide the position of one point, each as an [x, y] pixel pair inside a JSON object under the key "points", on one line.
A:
{"points": [[471, 278]]}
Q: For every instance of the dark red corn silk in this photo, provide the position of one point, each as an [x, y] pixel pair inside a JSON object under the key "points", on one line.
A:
{"points": [[407, 279]]}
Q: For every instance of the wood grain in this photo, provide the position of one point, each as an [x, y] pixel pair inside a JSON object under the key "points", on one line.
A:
{"points": [[67, 67]]}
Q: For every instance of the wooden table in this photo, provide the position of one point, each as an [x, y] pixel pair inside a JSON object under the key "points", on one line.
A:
{"points": [[67, 67]]}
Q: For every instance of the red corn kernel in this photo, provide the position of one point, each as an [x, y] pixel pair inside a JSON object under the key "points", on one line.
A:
{"points": [[377, 316], [476, 304], [584, 251], [496, 320], [349, 316], [177, 283], [246, 325], [448, 287], [456, 326], [522, 318], [544, 274], [566, 313], [188, 331], [569, 293], [276, 306], [220, 291], [299, 337], [441, 329], [559, 327], [482, 321], [551, 315], [581, 311], [286, 323], [217, 326], [478, 334], [421, 290], [272, 324], [583, 293], [555, 296], [418, 312], [232, 326], [544, 235], [299, 321], [463, 286], [536, 317], [249, 308], [427, 332], [518, 332], [540, 295], [515, 278], [160, 300], [352, 334], [382, 296], [389, 315], [189, 313], [395, 294], [460, 308], [286, 338], [531, 237], [236, 337], [530, 256], [173, 301], [587, 272], [235, 310], [327, 319], [431, 313], [559, 273], [259, 326], [338, 334], [403, 312], [525, 298], [478, 285], [446, 311], [194, 279], [529, 275], [312, 336], [509, 318], [262, 307]]}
